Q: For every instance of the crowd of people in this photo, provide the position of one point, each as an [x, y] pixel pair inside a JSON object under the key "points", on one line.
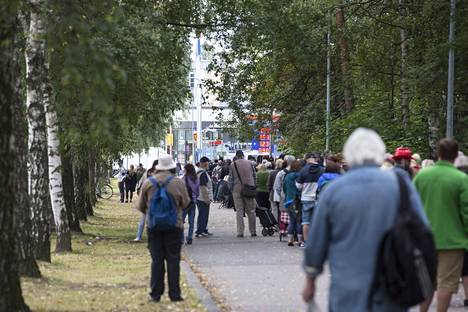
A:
{"points": [[337, 206]]}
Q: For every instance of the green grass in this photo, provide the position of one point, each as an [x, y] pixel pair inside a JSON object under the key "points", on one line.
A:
{"points": [[105, 272]]}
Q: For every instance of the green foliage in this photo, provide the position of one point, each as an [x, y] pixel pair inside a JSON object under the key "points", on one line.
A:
{"points": [[275, 62], [118, 71]]}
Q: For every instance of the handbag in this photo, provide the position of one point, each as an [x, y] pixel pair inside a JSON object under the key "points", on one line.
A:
{"points": [[249, 191]]}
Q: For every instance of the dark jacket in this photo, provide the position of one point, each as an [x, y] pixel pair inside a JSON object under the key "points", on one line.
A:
{"points": [[131, 181], [307, 180]]}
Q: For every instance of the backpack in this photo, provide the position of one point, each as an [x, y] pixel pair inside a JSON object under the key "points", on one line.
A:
{"points": [[162, 214], [407, 257]]}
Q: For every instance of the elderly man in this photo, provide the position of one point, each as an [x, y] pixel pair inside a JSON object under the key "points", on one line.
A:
{"points": [[165, 245], [242, 174], [351, 218]]}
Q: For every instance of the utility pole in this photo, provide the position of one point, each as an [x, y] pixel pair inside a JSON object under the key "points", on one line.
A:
{"points": [[197, 98], [327, 118], [451, 71]]}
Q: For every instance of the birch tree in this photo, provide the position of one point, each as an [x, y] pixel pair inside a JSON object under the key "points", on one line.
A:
{"points": [[38, 159], [11, 298], [55, 175]]}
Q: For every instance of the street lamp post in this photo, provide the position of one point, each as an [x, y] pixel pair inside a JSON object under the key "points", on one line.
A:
{"points": [[451, 71]]}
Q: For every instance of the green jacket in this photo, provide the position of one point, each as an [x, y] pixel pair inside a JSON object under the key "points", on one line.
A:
{"points": [[262, 181], [444, 193]]}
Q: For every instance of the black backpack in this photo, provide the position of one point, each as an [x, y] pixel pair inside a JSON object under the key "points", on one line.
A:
{"points": [[407, 258]]}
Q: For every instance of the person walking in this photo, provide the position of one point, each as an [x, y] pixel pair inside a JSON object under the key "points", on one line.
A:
{"points": [[164, 245], [307, 181], [130, 183], [193, 189], [293, 205], [462, 164], [402, 158], [242, 175], [352, 216], [204, 198], [121, 176], [262, 187], [444, 192]]}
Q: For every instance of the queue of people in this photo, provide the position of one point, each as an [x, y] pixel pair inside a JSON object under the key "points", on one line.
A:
{"points": [[339, 207]]}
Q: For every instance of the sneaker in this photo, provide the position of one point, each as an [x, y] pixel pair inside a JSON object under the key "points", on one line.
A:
{"points": [[189, 241], [291, 244], [253, 235], [302, 244], [240, 235], [198, 235], [137, 239], [126, 201], [208, 233]]}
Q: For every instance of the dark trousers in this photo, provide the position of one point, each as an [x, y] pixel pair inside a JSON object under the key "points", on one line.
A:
{"points": [[127, 193], [165, 248], [203, 214], [122, 191]]}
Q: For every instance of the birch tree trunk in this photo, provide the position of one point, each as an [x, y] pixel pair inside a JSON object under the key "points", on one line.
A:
{"points": [[62, 229], [344, 57], [11, 298], [27, 264], [38, 160], [404, 96]]}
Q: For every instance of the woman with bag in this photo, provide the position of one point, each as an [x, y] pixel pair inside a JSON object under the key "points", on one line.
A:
{"points": [[193, 188]]}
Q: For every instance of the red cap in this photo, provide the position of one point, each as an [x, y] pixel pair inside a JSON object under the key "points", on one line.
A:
{"points": [[402, 153]]}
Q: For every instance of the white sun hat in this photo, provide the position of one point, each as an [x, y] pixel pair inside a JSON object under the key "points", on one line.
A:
{"points": [[165, 163]]}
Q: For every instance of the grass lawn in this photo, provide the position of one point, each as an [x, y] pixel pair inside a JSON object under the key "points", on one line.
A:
{"points": [[105, 272]]}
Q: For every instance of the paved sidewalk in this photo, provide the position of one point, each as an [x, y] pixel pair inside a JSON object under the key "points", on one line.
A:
{"points": [[258, 274], [253, 274]]}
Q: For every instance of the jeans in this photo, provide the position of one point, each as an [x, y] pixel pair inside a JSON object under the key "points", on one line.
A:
{"points": [[122, 191], [141, 226], [294, 226], [215, 189], [307, 211], [164, 247], [203, 214], [190, 211]]}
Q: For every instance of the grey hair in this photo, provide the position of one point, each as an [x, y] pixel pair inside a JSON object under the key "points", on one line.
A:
{"points": [[289, 159], [364, 146]]}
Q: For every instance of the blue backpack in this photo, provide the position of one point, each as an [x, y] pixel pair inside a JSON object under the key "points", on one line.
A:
{"points": [[162, 214]]}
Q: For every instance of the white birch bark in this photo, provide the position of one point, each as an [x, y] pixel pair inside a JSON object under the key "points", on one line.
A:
{"points": [[55, 176], [38, 161]]}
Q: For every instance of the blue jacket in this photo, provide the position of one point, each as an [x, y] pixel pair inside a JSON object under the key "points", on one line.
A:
{"points": [[325, 179], [307, 180], [353, 214]]}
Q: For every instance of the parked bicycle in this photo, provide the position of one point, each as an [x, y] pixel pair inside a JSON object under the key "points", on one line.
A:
{"points": [[104, 190]]}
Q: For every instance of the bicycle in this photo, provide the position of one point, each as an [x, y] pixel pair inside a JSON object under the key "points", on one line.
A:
{"points": [[104, 190]]}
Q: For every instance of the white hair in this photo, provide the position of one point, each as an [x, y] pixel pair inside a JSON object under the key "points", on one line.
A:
{"points": [[364, 146], [289, 159]]}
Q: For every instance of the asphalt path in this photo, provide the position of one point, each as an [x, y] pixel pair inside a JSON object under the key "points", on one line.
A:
{"points": [[258, 273]]}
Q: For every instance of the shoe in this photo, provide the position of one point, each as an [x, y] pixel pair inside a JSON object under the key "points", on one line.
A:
{"points": [[179, 299], [302, 244], [189, 241], [154, 299], [253, 235], [137, 239], [465, 302], [208, 233], [240, 235], [205, 235], [126, 201], [198, 235], [291, 244]]}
